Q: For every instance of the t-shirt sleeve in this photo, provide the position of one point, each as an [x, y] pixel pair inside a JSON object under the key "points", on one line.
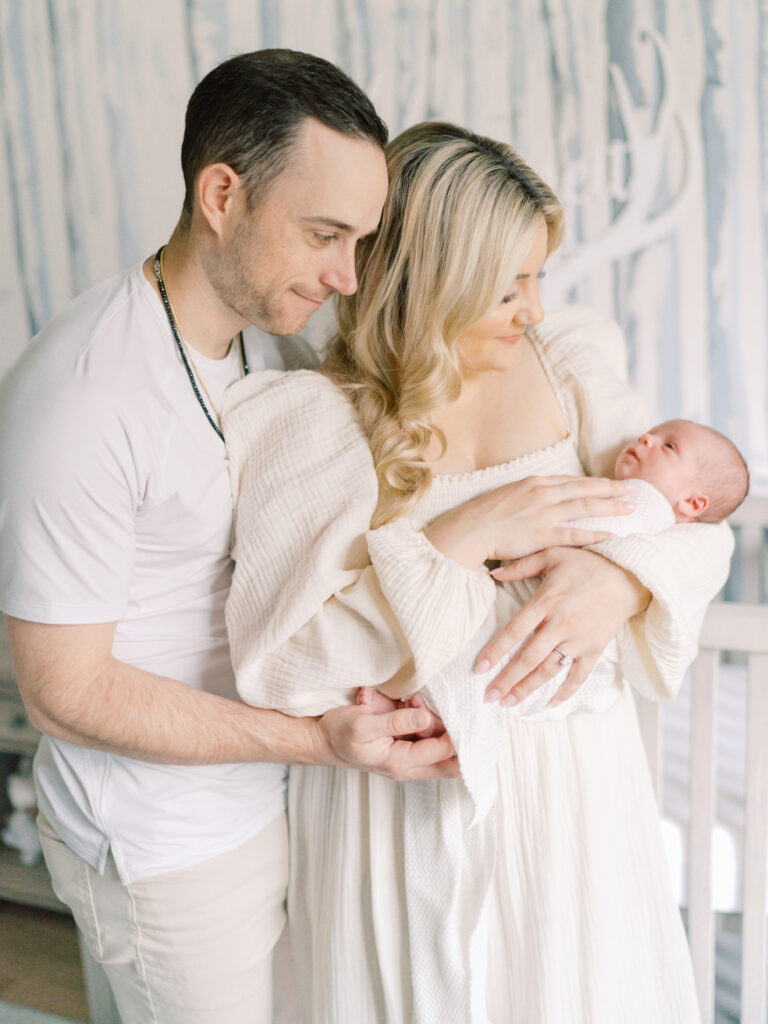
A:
{"points": [[68, 499]]}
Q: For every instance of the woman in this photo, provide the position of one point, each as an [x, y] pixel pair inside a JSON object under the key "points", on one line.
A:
{"points": [[394, 479]]}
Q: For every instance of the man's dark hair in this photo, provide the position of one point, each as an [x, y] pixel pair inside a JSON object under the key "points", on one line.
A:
{"points": [[246, 113]]}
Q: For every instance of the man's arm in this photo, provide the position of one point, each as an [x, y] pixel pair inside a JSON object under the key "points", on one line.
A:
{"points": [[76, 691]]}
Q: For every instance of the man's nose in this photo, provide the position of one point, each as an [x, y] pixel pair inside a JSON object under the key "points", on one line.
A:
{"points": [[341, 275]]}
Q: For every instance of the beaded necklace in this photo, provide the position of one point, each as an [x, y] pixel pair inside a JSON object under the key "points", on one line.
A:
{"points": [[186, 355]]}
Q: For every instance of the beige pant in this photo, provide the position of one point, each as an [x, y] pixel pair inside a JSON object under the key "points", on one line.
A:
{"points": [[192, 946]]}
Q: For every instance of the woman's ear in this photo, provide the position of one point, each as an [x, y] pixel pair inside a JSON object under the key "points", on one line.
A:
{"points": [[693, 506], [217, 189]]}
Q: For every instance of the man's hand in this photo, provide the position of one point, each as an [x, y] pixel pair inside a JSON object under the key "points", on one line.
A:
{"points": [[358, 738], [582, 603]]}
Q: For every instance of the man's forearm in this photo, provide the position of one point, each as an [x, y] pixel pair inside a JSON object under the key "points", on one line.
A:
{"points": [[151, 718], [138, 714], [75, 691]]}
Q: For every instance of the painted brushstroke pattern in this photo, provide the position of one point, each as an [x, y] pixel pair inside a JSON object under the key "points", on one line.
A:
{"points": [[649, 117]]}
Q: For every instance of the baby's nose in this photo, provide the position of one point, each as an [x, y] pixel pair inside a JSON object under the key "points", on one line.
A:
{"points": [[647, 440]]}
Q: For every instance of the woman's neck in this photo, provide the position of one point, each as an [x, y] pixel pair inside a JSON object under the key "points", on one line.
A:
{"points": [[499, 416]]}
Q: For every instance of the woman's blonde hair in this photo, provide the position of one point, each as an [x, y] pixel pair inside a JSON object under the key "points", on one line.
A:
{"points": [[460, 217]]}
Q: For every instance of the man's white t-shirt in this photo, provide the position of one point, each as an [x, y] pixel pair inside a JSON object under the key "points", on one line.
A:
{"points": [[115, 505]]}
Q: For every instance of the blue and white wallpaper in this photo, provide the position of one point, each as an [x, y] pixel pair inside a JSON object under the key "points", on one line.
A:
{"points": [[649, 117]]}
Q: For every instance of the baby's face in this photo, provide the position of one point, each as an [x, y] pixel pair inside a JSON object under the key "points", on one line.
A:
{"points": [[666, 456]]}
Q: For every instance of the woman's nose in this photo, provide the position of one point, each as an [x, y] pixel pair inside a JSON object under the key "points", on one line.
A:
{"points": [[531, 312]]}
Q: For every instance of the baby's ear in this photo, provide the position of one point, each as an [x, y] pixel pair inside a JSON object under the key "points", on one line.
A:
{"points": [[693, 506]]}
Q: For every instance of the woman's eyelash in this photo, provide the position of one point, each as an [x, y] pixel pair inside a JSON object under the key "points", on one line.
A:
{"points": [[513, 295]]}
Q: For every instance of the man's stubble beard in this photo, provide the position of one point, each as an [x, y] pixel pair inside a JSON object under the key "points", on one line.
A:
{"points": [[241, 296]]}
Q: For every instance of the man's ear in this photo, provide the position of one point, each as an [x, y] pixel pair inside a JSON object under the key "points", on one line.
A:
{"points": [[693, 506], [216, 189]]}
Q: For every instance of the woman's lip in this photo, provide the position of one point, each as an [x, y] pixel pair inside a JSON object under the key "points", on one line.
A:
{"points": [[511, 338]]}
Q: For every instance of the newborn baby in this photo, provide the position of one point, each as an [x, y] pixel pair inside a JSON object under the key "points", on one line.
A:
{"points": [[682, 472]]}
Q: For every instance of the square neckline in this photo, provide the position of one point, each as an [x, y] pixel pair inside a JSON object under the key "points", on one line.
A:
{"points": [[536, 453]]}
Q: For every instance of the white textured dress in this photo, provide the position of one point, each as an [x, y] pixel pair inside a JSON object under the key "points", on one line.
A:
{"points": [[565, 898]]}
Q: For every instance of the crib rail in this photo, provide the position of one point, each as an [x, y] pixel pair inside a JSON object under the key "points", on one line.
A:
{"points": [[733, 628]]}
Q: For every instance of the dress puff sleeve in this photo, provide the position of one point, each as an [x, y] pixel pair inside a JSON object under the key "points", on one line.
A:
{"points": [[683, 567], [310, 618]]}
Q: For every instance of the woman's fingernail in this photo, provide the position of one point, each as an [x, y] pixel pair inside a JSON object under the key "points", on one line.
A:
{"points": [[555, 701], [482, 666], [492, 696], [630, 506], [509, 701], [493, 572], [628, 486]]}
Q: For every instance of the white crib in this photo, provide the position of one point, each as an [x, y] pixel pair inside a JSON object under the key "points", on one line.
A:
{"points": [[708, 752]]}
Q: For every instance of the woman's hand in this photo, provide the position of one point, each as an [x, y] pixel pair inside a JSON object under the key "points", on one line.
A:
{"points": [[582, 603], [526, 516]]}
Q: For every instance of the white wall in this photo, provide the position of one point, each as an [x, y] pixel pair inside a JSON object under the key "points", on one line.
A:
{"points": [[649, 117]]}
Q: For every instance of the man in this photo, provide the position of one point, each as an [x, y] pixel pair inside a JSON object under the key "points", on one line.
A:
{"points": [[161, 795]]}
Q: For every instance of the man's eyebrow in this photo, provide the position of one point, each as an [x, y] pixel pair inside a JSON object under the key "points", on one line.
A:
{"points": [[329, 222]]}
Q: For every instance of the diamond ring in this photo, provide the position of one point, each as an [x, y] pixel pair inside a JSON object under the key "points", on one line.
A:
{"points": [[565, 659]]}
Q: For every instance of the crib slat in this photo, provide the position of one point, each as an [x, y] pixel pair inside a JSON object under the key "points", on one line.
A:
{"points": [[701, 922], [753, 960], [750, 547]]}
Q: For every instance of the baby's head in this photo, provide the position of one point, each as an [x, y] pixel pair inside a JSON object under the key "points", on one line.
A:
{"points": [[698, 470]]}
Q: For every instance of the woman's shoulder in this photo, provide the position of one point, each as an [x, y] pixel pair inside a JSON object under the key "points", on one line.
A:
{"points": [[290, 397], [298, 419], [577, 340], [278, 388]]}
